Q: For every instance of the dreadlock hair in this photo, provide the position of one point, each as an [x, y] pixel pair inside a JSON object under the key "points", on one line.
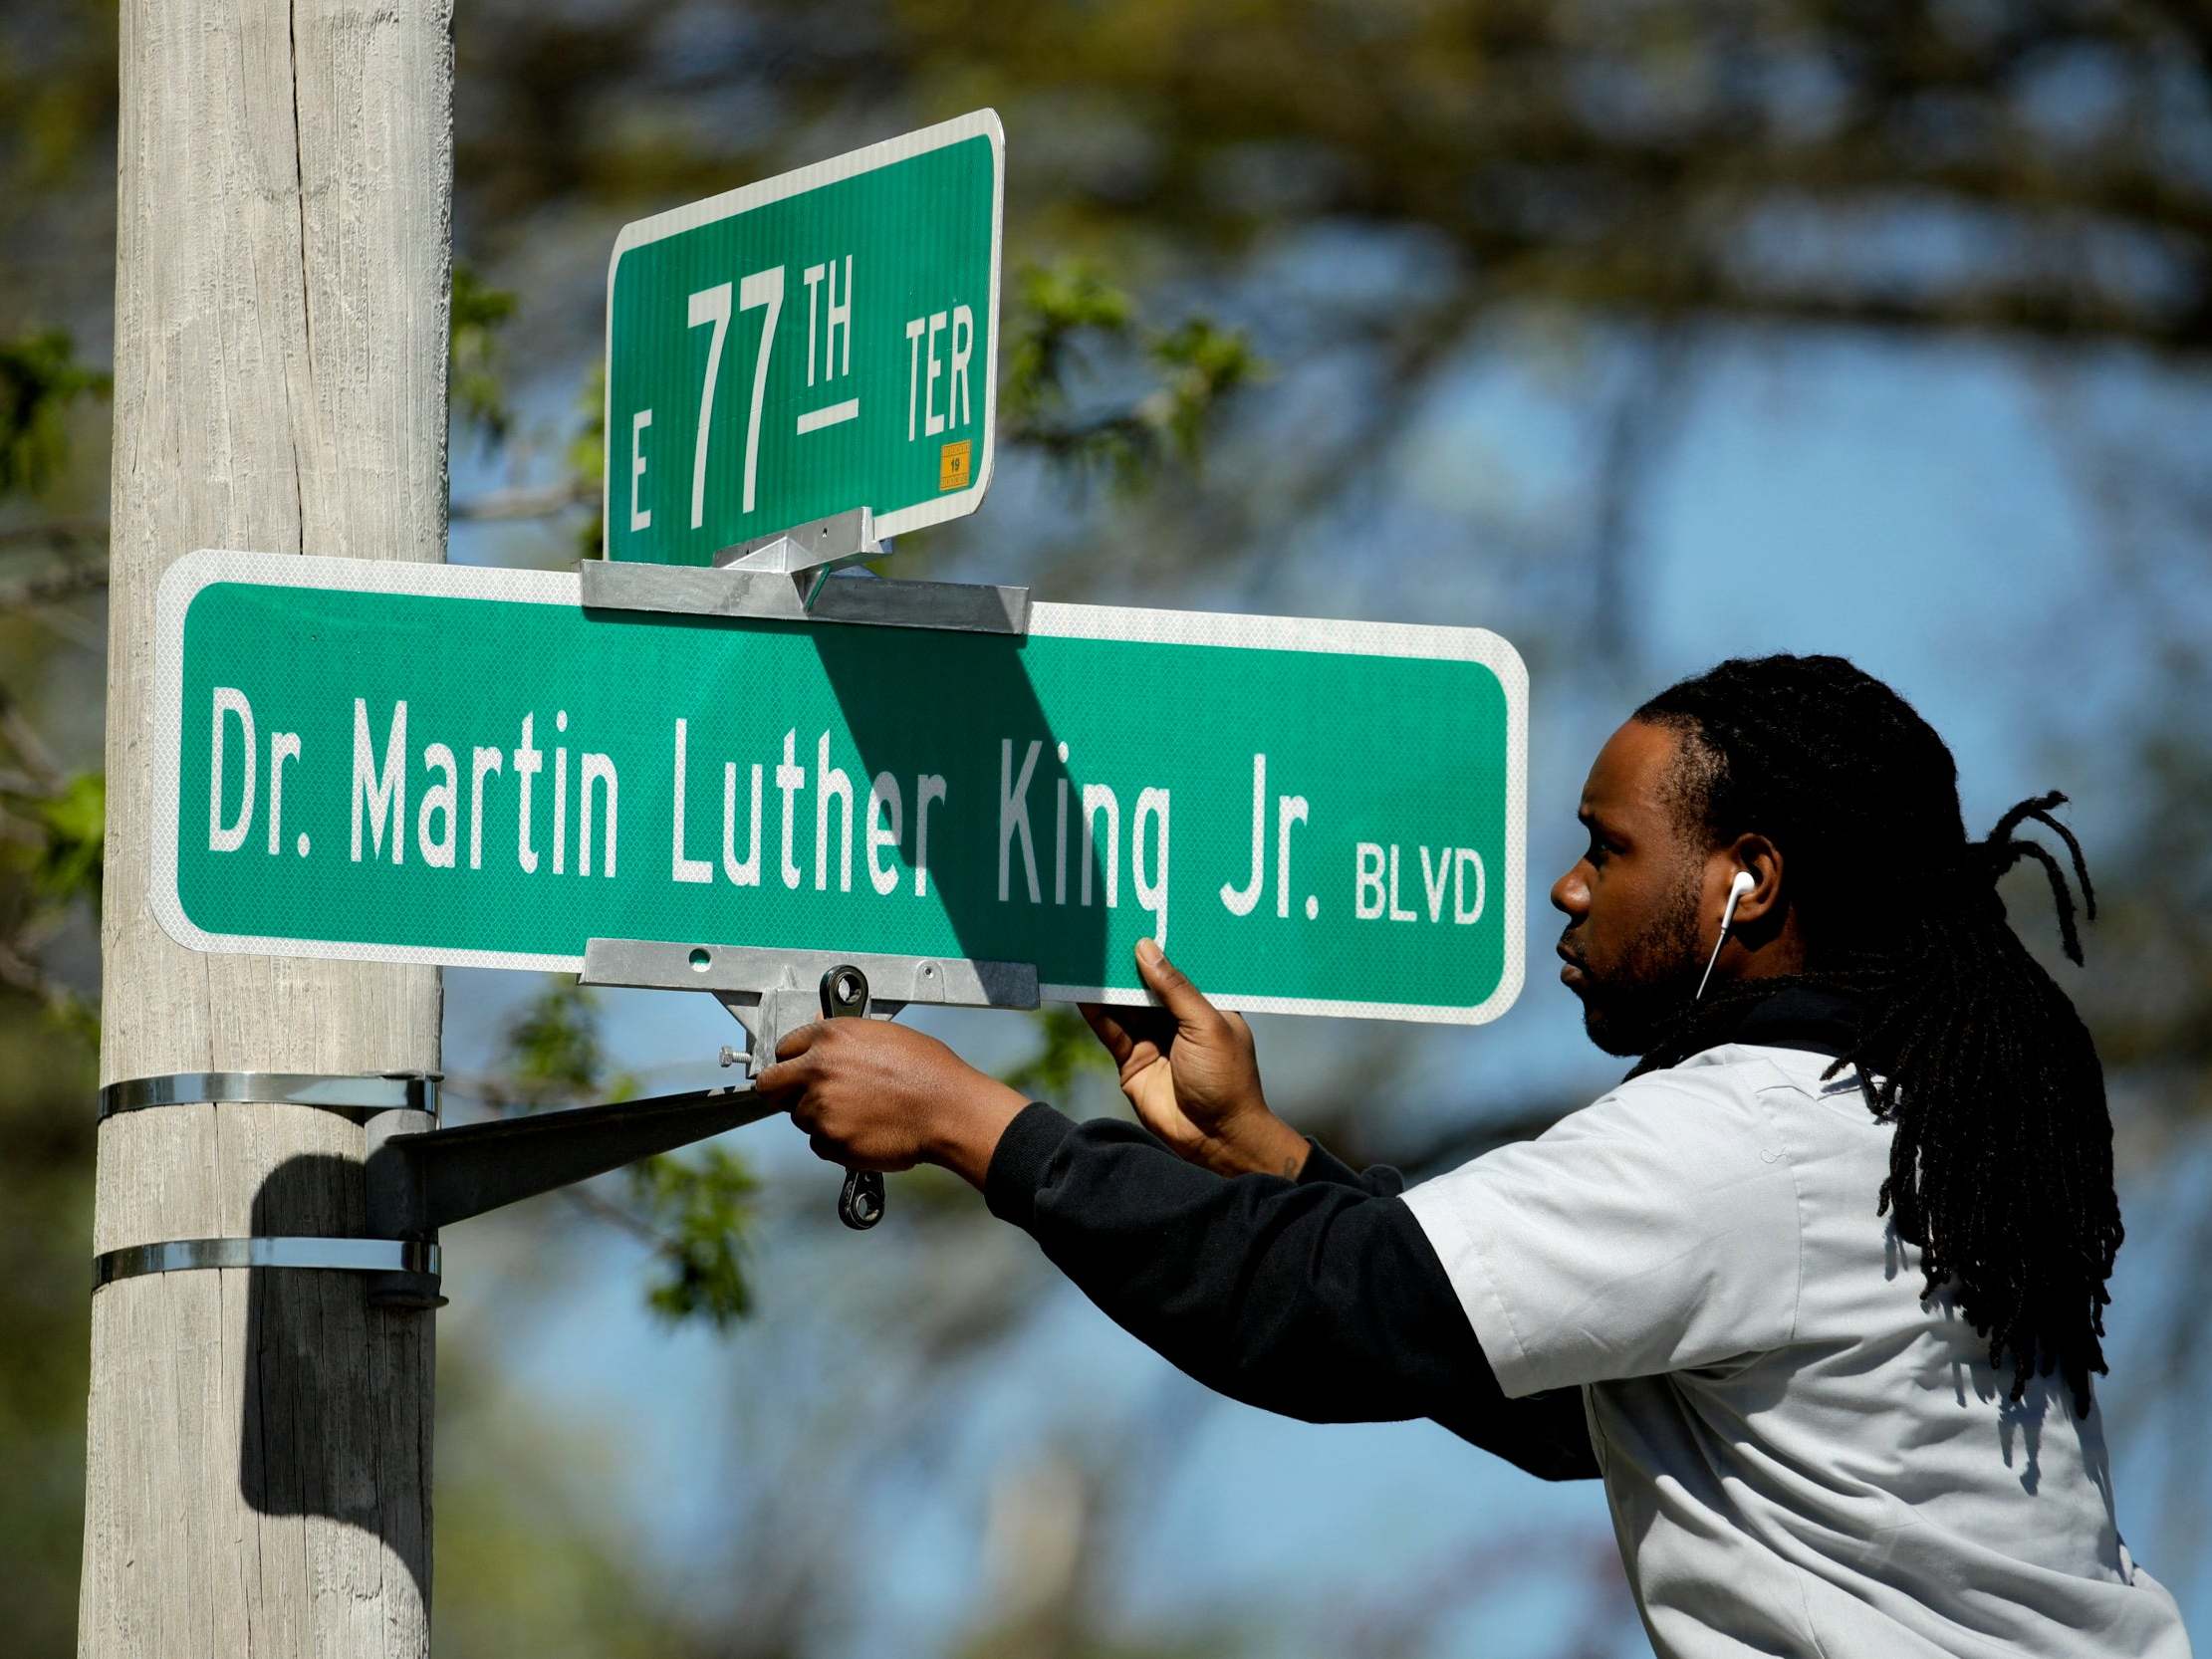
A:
{"points": [[2001, 1170]]}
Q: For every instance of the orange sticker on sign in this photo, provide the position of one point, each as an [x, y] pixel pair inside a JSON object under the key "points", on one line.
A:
{"points": [[952, 465]]}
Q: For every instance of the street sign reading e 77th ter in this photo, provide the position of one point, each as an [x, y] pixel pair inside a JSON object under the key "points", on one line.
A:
{"points": [[439, 764], [816, 342]]}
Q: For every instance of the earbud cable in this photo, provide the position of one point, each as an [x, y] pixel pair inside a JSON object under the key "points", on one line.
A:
{"points": [[1726, 917]]}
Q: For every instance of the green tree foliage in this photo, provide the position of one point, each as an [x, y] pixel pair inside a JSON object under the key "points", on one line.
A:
{"points": [[40, 378], [46, 1194], [1066, 1051], [474, 385], [1067, 314], [690, 1206]]}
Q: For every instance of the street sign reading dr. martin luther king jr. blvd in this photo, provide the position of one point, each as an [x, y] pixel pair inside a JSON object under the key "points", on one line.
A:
{"points": [[439, 764], [813, 344]]}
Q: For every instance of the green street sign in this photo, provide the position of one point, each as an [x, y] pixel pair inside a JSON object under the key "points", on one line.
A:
{"points": [[806, 346], [425, 762]]}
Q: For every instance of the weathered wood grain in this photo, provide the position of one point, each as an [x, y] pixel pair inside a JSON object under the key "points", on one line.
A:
{"points": [[259, 1443]]}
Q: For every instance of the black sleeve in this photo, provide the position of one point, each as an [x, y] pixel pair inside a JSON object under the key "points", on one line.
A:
{"points": [[1323, 1166], [1321, 1299]]}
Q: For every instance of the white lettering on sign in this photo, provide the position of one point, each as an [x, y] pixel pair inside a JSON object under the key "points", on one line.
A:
{"points": [[745, 873], [1151, 894], [1289, 810], [530, 760], [789, 779], [1452, 888], [832, 782], [1444, 871], [932, 422], [222, 837], [1240, 901], [836, 321], [833, 415], [883, 803], [443, 797], [481, 762], [560, 798], [1368, 904], [925, 368], [1059, 834], [1098, 799], [927, 788], [835, 359], [963, 347], [708, 305], [598, 770], [914, 327], [379, 799], [762, 289], [384, 793], [1014, 816], [1461, 913], [687, 869], [283, 746], [640, 518], [1098, 838], [812, 276], [880, 825]]}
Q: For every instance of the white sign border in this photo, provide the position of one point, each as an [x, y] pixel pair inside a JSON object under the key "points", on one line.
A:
{"points": [[184, 579], [677, 220]]}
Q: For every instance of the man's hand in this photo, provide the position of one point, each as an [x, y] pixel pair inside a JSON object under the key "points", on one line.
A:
{"points": [[1189, 1070], [871, 1094]]}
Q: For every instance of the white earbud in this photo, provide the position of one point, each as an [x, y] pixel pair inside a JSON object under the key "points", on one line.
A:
{"points": [[1743, 884]]}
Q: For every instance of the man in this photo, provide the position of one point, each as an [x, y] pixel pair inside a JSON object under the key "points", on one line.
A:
{"points": [[1818, 1291]]}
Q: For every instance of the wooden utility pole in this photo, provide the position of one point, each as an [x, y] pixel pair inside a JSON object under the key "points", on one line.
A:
{"points": [[259, 1440]]}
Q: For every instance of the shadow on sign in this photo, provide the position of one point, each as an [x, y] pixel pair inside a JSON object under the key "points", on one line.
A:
{"points": [[973, 691]]}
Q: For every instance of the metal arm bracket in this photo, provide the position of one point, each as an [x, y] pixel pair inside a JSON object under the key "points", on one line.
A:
{"points": [[772, 991], [785, 577], [419, 1180]]}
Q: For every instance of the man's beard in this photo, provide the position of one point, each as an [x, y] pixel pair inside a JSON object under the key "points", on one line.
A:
{"points": [[1654, 986]]}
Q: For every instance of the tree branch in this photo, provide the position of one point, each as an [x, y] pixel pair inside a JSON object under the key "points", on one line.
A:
{"points": [[27, 976], [60, 534], [54, 587], [545, 503]]}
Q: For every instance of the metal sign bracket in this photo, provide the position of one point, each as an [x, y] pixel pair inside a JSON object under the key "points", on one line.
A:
{"points": [[773, 992], [786, 577], [419, 1180]]}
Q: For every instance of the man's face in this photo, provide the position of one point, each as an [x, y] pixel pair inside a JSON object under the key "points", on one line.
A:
{"points": [[1632, 901]]}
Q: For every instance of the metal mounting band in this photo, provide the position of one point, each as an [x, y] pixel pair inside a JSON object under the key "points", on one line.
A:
{"points": [[356, 1096], [409, 1256]]}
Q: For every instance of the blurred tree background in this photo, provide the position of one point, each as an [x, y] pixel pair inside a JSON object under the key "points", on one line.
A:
{"points": [[1444, 309]]}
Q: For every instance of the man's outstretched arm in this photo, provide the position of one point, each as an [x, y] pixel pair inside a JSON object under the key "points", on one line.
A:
{"points": [[1320, 1298]]}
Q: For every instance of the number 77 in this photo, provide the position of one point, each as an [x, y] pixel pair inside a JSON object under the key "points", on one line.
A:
{"points": [[712, 305]]}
